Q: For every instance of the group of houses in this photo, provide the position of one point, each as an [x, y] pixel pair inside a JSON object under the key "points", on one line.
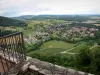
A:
{"points": [[81, 32]]}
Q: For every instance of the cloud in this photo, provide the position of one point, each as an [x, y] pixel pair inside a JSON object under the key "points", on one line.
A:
{"points": [[27, 7]]}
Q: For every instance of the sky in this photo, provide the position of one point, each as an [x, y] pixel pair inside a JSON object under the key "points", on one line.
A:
{"points": [[12, 8]]}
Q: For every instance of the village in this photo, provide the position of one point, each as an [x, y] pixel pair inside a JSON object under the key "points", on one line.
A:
{"points": [[75, 33]]}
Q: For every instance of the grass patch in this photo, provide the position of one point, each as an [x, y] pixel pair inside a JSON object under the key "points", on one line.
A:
{"points": [[78, 48], [56, 44]]}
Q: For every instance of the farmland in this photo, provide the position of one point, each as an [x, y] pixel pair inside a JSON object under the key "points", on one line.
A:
{"points": [[54, 47]]}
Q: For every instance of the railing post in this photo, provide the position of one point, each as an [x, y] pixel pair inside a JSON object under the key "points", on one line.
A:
{"points": [[23, 46]]}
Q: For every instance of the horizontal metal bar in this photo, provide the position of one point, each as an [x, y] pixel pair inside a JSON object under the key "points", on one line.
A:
{"points": [[12, 34]]}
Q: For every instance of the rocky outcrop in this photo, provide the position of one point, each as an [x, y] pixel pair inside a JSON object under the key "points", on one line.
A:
{"points": [[37, 67]]}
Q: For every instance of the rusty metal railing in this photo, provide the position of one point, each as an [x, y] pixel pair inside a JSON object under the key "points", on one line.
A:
{"points": [[12, 50]]}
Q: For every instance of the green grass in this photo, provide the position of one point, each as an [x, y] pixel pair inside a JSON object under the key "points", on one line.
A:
{"points": [[52, 47], [28, 32], [56, 44], [51, 52], [78, 48], [56, 47], [48, 51]]}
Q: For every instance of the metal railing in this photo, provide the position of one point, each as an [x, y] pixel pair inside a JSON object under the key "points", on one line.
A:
{"points": [[12, 50]]}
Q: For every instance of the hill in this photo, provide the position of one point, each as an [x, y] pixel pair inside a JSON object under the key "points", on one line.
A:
{"points": [[24, 17], [57, 17], [5, 21]]}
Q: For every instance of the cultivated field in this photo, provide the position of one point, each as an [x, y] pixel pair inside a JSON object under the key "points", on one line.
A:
{"points": [[58, 47]]}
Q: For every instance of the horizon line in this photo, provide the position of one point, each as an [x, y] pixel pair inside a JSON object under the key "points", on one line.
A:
{"points": [[49, 14]]}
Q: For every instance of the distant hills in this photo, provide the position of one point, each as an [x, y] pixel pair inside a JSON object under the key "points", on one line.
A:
{"points": [[24, 17], [21, 20], [58, 17], [5, 21]]}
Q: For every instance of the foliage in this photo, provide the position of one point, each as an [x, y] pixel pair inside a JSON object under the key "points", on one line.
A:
{"points": [[59, 59], [4, 21], [84, 25], [89, 60], [98, 42], [32, 47]]}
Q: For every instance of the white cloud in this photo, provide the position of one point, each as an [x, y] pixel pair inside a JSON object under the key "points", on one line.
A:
{"points": [[25, 7]]}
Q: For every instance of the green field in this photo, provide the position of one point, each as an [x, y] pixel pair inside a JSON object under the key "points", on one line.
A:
{"points": [[51, 51], [77, 49], [58, 47], [57, 44], [53, 47]]}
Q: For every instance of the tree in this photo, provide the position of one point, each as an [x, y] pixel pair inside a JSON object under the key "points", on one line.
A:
{"points": [[83, 59], [89, 61], [95, 63], [98, 42]]}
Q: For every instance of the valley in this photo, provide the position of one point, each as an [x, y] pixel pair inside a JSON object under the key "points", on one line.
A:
{"points": [[68, 41]]}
